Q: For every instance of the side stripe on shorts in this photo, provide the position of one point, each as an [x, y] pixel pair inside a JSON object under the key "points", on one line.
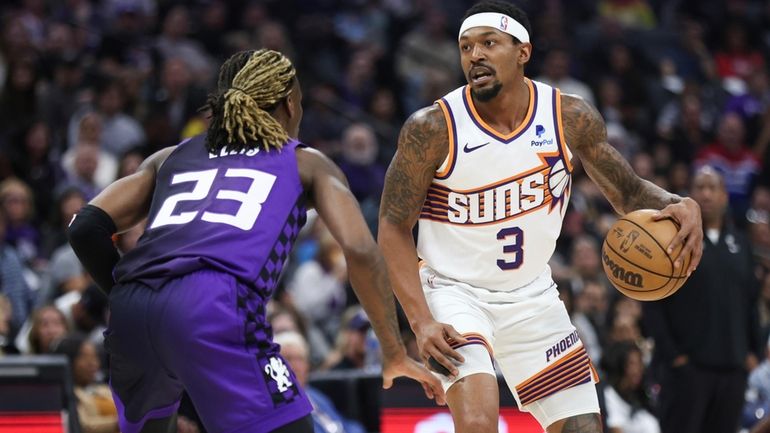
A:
{"points": [[572, 369], [473, 338]]}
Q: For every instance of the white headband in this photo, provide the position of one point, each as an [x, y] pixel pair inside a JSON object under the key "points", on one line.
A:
{"points": [[498, 21]]}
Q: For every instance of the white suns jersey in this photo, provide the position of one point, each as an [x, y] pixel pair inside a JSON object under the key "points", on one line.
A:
{"points": [[495, 208]]}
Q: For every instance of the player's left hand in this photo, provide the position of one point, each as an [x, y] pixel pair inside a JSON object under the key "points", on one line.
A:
{"points": [[406, 366], [686, 213]]}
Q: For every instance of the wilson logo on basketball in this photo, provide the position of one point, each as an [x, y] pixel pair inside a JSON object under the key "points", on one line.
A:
{"points": [[628, 241], [621, 274]]}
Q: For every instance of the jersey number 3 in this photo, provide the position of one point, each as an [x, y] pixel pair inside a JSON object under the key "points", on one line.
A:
{"points": [[515, 248], [250, 201]]}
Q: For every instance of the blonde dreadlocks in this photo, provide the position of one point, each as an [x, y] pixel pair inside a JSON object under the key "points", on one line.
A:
{"points": [[250, 86]]}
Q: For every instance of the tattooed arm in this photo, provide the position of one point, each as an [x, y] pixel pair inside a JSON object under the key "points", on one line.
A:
{"points": [[422, 147], [336, 205], [586, 135]]}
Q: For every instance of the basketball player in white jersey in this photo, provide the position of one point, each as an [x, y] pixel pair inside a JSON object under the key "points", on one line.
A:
{"points": [[487, 172]]}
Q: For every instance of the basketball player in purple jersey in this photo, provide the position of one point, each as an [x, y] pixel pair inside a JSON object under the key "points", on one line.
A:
{"points": [[486, 171], [223, 210]]}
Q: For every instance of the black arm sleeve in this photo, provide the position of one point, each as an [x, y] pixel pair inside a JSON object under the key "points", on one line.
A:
{"points": [[90, 234]]}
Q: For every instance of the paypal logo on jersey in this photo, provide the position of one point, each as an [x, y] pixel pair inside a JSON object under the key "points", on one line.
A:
{"points": [[539, 131]]}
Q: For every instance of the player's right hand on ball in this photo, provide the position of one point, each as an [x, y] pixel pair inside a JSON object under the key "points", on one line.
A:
{"points": [[433, 340]]}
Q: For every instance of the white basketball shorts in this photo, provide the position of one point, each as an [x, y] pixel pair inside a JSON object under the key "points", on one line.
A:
{"points": [[528, 333]]}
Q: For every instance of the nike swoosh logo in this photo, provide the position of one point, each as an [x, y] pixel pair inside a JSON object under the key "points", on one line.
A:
{"points": [[467, 149]]}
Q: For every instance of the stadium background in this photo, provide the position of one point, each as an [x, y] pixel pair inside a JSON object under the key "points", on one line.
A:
{"points": [[89, 88]]}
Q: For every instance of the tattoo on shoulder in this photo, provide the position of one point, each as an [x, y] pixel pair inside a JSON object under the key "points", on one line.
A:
{"points": [[583, 125], [422, 147], [587, 423], [586, 135]]}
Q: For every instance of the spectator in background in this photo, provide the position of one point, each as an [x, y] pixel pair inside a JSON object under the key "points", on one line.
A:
{"points": [[627, 406], [679, 178], [33, 164], [690, 56], [556, 73], [350, 350], [17, 205], [321, 124], [96, 408], [625, 324], [752, 104], [129, 162], [67, 279], [358, 161], [284, 317], [357, 84], [89, 315], [213, 28], [586, 263], [33, 15], [124, 42], [47, 325], [738, 59], [175, 42], [644, 165], [589, 316], [426, 52], [174, 102], [611, 93], [82, 173], [68, 201], [18, 98], [119, 131], [385, 118], [12, 282], [326, 418], [628, 68], [362, 24], [16, 43], [707, 333], [273, 36], [317, 288], [61, 97], [684, 125], [733, 159]]}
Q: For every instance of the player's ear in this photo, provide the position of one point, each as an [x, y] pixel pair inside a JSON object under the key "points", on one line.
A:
{"points": [[525, 51], [290, 106], [293, 100]]}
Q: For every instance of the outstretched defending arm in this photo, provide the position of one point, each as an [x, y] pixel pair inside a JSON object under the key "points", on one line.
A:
{"points": [[331, 196], [586, 135], [119, 207], [422, 147]]}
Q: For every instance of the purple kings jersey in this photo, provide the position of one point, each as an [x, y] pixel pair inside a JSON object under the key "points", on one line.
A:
{"points": [[234, 212]]}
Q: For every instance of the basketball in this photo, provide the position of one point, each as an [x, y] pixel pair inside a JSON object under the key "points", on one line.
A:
{"points": [[557, 180], [635, 259]]}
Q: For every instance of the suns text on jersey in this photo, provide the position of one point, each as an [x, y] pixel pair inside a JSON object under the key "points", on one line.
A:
{"points": [[498, 203]]}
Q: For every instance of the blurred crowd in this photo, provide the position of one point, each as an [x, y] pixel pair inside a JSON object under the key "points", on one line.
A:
{"points": [[88, 88]]}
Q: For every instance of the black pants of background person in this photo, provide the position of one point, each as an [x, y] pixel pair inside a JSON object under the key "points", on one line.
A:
{"points": [[694, 399]]}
